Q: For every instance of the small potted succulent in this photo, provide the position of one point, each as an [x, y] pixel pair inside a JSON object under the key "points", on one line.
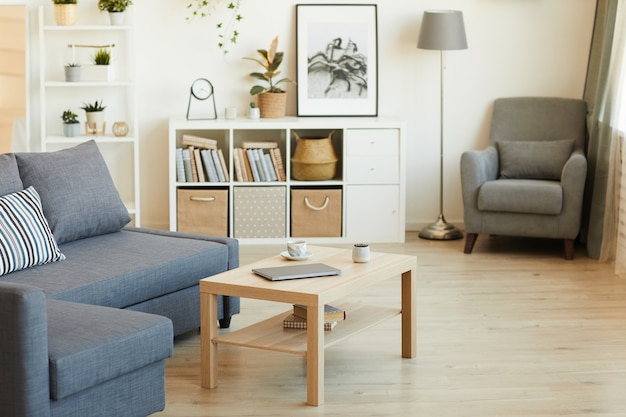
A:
{"points": [[272, 99], [65, 12], [254, 112], [95, 117], [72, 72], [71, 125], [116, 9]]}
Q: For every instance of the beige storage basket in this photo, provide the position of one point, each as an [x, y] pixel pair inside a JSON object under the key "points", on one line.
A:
{"points": [[316, 212], [314, 159], [203, 211]]}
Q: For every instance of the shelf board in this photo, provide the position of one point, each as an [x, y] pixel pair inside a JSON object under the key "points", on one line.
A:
{"points": [[78, 28], [271, 335], [61, 140], [80, 84]]}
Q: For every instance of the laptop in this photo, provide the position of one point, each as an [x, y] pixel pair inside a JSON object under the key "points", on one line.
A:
{"points": [[281, 273]]}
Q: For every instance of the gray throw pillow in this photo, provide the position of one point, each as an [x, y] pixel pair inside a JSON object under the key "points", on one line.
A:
{"points": [[77, 192], [535, 159], [10, 181]]}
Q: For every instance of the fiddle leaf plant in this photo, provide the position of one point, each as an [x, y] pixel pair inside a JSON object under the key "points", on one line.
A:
{"points": [[270, 61]]}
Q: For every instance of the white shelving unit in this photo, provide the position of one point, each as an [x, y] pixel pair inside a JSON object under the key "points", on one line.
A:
{"points": [[119, 95], [370, 173]]}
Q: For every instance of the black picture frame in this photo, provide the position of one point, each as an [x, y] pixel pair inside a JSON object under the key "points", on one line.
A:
{"points": [[337, 59]]}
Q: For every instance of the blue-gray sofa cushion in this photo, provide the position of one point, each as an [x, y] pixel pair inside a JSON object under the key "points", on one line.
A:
{"points": [[77, 192], [10, 180], [124, 268], [89, 345]]}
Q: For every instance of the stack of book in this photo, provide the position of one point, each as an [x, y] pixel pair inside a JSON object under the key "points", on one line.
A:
{"points": [[199, 160], [297, 320], [258, 162]]}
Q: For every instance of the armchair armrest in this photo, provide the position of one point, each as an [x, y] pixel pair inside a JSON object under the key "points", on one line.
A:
{"points": [[477, 167], [573, 179]]}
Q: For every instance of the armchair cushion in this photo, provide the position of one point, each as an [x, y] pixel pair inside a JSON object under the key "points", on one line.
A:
{"points": [[534, 159], [521, 196], [78, 195], [25, 237]]}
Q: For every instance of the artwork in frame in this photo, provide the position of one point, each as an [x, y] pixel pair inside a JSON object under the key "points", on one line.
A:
{"points": [[337, 59]]}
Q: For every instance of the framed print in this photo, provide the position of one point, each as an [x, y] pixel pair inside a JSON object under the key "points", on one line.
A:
{"points": [[337, 59]]}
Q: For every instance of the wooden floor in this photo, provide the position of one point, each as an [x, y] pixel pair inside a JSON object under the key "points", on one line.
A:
{"points": [[512, 330]]}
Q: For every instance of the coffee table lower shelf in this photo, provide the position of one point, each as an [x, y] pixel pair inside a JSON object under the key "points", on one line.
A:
{"points": [[270, 335]]}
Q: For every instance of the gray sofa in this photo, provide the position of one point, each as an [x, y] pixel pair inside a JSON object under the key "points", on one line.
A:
{"points": [[87, 317]]}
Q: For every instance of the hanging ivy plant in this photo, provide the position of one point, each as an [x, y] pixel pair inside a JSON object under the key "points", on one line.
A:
{"points": [[227, 29]]}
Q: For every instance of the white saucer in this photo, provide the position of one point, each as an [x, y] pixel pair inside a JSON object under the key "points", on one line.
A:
{"points": [[285, 254]]}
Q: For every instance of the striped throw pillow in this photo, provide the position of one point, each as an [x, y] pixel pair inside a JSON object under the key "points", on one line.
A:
{"points": [[25, 237]]}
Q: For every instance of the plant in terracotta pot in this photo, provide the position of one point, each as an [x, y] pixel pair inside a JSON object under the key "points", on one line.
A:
{"points": [[116, 9], [272, 99], [95, 117], [71, 125], [65, 12]]}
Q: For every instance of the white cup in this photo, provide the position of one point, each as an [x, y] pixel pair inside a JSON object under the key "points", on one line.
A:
{"points": [[231, 113], [361, 253], [296, 248]]}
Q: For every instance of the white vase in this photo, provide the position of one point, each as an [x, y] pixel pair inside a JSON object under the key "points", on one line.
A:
{"points": [[254, 113], [72, 74], [117, 18]]}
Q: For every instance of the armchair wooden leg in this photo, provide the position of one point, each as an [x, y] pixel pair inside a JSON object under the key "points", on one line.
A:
{"points": [[568, 245], [470, 239]]}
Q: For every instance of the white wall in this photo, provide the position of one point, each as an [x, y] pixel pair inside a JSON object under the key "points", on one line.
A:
{"points": [[516, 47]]}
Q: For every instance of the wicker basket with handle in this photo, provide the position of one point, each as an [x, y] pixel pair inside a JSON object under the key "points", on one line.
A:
{"points": [[314, 159]]}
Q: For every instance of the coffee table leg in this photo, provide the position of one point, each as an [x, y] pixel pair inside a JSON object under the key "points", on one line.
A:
{"points": [[409, 314], [315, 355], [208, 331]]}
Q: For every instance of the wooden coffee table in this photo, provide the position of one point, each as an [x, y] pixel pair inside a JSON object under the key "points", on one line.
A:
{"points": [[314, 293]]}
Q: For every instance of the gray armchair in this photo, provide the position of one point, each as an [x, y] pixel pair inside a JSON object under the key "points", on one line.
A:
{"points": [[530, 179]]}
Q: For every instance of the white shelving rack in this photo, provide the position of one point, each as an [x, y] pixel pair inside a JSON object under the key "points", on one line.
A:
{"points": [[370, 173], [119, 94]]}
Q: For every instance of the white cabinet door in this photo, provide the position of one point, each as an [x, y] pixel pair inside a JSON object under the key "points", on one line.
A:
{"points": [[373, 213], [372, 156]]}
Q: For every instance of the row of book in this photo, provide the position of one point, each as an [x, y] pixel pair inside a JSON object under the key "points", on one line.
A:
{"points": [[297, 320], [257, 164], [199, 160]]}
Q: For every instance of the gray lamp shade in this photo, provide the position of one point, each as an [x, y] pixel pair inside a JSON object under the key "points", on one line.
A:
{"points": [[442, 30]]}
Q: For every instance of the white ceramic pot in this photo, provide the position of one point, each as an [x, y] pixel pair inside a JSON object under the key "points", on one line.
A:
{"points": [[117, 18], [254, 113], [95, 122], [72, 74], [71, 130]]}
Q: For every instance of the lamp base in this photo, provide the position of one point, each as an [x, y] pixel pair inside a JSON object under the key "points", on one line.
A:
{"points": [[440, 230]]}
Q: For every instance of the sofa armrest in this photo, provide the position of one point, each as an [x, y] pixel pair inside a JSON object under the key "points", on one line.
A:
{"points": [[24, 373], [232, 244]]}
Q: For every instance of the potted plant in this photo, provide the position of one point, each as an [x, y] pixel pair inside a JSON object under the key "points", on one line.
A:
{"points": [[253, 111], [272, 99], [101, 70], [116, 9], [65, 12], [71, 126], [72, 72], [95, 117]]}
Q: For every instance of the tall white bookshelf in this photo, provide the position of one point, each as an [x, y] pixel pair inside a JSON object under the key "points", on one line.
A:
{"points": [[60, 45]]}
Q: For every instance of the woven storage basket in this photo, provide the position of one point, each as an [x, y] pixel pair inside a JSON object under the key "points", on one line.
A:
{"points": [[272, 105], [65, 14], [314, 159]]}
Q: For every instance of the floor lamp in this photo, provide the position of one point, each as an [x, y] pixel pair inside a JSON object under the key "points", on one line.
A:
{"points": [[442, 30]]}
